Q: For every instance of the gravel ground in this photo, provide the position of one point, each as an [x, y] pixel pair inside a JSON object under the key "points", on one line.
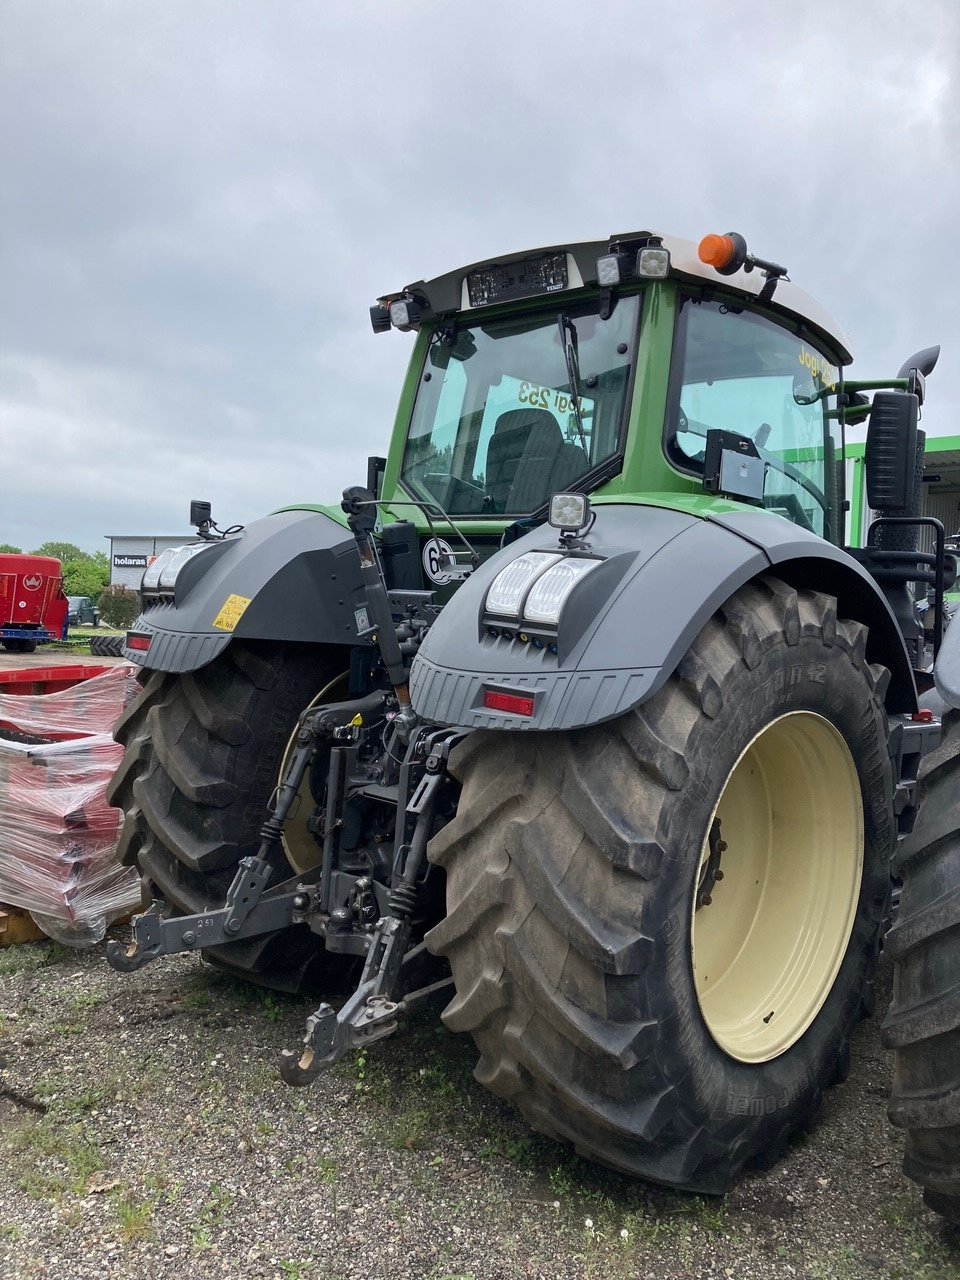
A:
{"points": [[146, 1134]]}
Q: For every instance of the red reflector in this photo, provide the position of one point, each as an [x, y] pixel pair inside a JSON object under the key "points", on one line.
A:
{"points": [[515, 703], [923, 716], [138, 642]]}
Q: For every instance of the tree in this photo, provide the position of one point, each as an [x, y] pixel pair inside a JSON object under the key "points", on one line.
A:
{"points": [[85, 576], [119, 606], [7, 549], [61, 551], [84, 573]]}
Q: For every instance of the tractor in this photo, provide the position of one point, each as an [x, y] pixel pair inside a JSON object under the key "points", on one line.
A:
{"points": [[578, 714]]}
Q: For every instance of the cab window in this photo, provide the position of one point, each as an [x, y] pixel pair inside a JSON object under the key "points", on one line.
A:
{"points": [[738, 371]]}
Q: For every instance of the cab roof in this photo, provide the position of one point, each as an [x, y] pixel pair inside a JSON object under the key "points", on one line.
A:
{"points": [[448, 293]]}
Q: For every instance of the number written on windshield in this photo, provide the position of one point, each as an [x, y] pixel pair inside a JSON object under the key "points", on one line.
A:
{"points": [[544, 398]]}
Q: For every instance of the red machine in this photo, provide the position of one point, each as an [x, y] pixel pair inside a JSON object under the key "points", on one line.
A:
{"points": [[33, 608]]}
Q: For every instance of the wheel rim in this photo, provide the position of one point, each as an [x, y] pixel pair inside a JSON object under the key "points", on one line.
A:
{"points": [[303, 852], [770, 931]]}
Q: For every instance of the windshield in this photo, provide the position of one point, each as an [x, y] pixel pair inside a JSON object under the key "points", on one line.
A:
{"points": [[737, 371], [494, 431]]}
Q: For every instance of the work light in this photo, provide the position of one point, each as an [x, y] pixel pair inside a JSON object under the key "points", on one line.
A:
{"points": [[569, 511], [404, 313], [162, 574], [380, 318], [509, 586], [609, 269], [653, 263], [549, 593]]}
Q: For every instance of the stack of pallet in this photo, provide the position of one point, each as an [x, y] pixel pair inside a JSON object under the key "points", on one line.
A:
{"points": [[58, 835]]}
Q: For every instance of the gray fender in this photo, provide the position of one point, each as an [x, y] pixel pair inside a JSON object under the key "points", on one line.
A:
{"points": [[299, 572], [625, 628], [947, 673]]}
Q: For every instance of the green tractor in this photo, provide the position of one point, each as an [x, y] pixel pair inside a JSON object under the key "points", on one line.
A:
{"points": [[579, 713]]}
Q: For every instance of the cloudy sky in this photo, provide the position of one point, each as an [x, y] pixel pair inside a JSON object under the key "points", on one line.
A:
{"points": [[201, 198]]}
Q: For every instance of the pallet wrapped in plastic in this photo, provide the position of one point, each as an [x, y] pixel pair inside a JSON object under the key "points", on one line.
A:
{"points": [[91, 705], [58, 835]]}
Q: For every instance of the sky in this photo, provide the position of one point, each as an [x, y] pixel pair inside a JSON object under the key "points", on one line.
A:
{"points": [[202, 198]]}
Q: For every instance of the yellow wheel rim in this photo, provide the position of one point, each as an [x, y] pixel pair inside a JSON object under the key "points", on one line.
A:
{"points": [[303, 852], [777, 887]]}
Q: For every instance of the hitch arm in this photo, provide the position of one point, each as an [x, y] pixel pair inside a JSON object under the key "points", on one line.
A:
{"points": [[368, 1015], [245, 913]]}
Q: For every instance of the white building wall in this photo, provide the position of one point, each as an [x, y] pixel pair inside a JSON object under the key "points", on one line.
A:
{"points": [[131, 553]]}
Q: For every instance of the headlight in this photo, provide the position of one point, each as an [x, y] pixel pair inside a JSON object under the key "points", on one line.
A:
{"points": [[162, 574], [508, 587], [550, 591]]}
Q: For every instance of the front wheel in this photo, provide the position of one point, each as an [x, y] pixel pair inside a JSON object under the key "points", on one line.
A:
{"points": [[661, 928]]}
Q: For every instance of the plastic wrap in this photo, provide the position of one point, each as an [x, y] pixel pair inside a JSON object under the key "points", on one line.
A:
{"points": [[58, 835], [91, 706]]}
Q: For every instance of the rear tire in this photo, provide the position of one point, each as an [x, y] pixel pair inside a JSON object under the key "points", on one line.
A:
{"points": [[574, 863], [106, 646], [202, 758], [20, 646], [923, 1024]]}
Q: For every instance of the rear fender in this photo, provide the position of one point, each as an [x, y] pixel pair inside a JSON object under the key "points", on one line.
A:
{"points": [[293, 576], [626, 627]]}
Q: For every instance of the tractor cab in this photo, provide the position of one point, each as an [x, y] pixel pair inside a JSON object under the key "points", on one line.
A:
{"points": [[644, 368]]}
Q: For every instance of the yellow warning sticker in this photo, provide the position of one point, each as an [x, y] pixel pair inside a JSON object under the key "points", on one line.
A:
{"points": [[234, 607]]}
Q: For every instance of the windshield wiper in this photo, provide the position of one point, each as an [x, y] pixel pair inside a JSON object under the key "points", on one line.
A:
{"points": [[571, 354]]}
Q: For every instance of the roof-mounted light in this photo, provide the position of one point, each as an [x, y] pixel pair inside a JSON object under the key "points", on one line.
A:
{"points": [[650, 262], [725, 254], [405, 314], [396, 311], [612, 268], [728, 254], [380, 318], [653, 262]]}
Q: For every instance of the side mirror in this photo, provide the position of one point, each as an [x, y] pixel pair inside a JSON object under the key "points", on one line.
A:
{"points": [[918, 368], [924, 362], [375, 469], [891, 451]]}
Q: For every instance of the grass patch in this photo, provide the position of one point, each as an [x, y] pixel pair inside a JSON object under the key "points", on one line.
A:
{"points": [[134, 1216], [411, 1129], [49, 1158], [30, 956], [58, 1092]]}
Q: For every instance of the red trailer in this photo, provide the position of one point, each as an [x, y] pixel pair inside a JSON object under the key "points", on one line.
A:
{"points": [[33, 608]]}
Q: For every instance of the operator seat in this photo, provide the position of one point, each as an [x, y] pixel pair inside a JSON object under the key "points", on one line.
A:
{"points": [[528, 459]]}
